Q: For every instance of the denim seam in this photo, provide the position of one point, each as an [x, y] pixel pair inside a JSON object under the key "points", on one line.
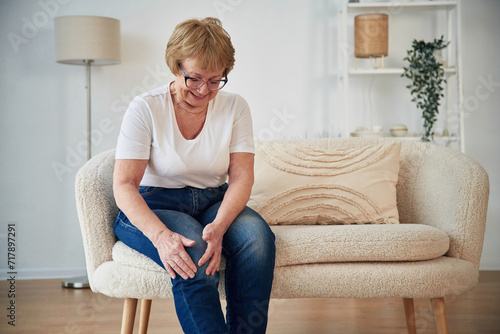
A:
{"points": [[189, 310], [228, 309], [194, 197], [121, 223]]}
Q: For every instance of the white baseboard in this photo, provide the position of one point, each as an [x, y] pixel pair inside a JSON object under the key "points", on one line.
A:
{"points": [[43, 273], [489, 264]]}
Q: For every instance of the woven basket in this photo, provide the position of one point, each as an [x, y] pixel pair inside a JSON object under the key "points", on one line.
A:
{"points": [[371, 35]]}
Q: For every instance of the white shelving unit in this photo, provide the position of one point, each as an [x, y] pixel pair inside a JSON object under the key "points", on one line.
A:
{"points": [[453, 134]]}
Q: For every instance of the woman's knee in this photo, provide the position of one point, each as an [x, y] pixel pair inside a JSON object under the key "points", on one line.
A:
{"points": [[188, 227], [251, 232], [200, 279], [182, 224]]}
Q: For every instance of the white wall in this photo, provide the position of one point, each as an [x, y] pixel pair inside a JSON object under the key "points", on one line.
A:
{"points": [[285, 65], [481, 49]]}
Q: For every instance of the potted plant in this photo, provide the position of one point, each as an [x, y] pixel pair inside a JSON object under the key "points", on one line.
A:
{"points": [[427, 79]]}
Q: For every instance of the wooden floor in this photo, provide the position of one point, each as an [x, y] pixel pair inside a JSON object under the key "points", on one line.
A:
{"points": [[43, 306]]}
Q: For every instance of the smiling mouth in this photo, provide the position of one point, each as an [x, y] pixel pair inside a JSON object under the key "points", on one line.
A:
{"points": [[198, 97]]}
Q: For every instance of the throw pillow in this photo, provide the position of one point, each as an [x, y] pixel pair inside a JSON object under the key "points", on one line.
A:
{"points": [[302, 185]]}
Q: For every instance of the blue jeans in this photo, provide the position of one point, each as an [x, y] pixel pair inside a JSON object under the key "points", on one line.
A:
{"points": [[248, 246]]}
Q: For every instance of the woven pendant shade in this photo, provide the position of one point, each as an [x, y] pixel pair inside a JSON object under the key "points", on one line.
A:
{"points": [[371, 35]]}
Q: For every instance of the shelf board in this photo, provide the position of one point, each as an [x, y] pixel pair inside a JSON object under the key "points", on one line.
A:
{"points": [[437, 139], [407, 4], [389, 71], [378, 71]]}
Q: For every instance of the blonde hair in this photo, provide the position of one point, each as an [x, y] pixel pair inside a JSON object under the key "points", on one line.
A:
{"points": [[204, 40]]}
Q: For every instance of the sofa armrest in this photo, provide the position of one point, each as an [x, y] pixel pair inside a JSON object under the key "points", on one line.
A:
{"points": [[96, 209], [446, 189]]}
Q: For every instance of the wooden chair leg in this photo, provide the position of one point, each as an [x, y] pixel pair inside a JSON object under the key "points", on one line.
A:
{"points": [[129, 308], [144, 318], [440, 315], [410, 315]]}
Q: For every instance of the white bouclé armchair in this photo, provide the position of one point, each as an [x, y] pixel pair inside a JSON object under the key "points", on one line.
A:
{"points": [[433, 252]]}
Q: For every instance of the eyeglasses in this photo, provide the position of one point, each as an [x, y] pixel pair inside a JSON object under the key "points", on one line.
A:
{"points": [[194, 83]]}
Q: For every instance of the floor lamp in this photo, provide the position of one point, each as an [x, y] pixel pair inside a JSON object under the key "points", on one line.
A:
{"points": [[89, 41]]}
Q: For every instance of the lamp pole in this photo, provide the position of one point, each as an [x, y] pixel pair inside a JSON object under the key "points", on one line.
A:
{"points": [[88, 63], [82, 282], [87, 40]]}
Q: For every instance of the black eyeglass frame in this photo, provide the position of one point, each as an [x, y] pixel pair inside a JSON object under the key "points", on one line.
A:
{"points": [[224, 80]]}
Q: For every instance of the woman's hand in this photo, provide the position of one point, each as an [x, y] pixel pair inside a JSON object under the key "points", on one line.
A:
{"points": [[213, 237], [173, 254]]}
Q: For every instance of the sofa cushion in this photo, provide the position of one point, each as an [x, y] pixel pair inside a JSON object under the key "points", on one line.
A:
{"points": [[298, 184], [354, 243], [335, 243], [125, 255]]}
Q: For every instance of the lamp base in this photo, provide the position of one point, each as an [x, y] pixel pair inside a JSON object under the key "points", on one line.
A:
{"points": [[81, 282], [374, 62]]}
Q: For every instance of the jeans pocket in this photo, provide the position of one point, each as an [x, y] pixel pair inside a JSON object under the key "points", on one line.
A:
{"points": [[146, 191], [124, 229]]}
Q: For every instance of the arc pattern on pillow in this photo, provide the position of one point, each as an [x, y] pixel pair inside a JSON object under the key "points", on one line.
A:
{"points": [[320, 162], [300, 185], [322, 204]]}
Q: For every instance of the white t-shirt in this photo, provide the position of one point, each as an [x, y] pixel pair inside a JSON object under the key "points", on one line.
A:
{"points": [[149, 131]]}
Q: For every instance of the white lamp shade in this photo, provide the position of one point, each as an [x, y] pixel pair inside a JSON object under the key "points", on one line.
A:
{"points": [[83, 38]]}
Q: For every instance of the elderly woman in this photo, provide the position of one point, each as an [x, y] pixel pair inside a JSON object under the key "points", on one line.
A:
{"points": [[178, 145]]}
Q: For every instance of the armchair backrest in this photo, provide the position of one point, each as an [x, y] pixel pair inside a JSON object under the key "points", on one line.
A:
{"points": [[442, 187], [96, 209]]}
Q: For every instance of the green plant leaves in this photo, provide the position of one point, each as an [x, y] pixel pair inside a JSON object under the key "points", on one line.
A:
{"points": [[427, 79]]}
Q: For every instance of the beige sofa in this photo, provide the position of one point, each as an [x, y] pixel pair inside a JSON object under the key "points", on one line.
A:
{"points": [[433, 252]]}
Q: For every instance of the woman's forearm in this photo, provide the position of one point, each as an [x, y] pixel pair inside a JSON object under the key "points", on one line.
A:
{"points": [[241, 179], [130, 201], [235, 200], [126, 180]]}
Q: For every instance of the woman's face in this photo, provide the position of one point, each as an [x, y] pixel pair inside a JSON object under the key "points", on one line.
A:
{"points": [[196, 97]]}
